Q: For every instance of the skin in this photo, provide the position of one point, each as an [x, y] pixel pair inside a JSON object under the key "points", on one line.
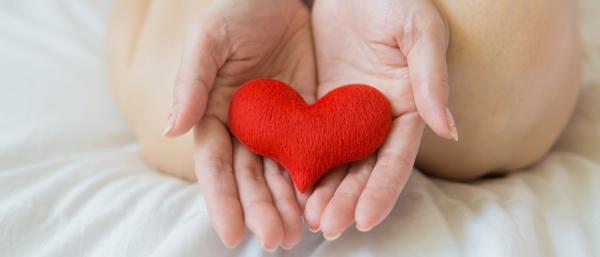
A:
{"points": [[514, 79], [402, 52], [226, 44], [414, 51], [424, 46]]}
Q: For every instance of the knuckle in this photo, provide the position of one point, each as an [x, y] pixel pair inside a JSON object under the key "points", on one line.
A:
{"points": [[396, 176], [429, 28], [286, 201], [382, 192], [215, 165], [257, 204], [189, 86], [352, 185], [427, 82], [348, 193], [394, 160], [430, 23], [250, 172]]}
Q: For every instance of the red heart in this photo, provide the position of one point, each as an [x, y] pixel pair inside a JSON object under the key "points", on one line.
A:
{"points": [[273, 120]]}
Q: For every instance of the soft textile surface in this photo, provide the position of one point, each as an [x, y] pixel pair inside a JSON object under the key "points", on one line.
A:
{"points": [[273, 120], [72, 182]]}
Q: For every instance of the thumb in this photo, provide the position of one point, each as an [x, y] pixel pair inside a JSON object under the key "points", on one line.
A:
{"points": [[203, 55], [429, 79]]}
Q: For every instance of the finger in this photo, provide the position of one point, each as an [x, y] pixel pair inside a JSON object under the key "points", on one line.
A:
{"points": [[429, 77], [203, 54], [212, 157], [285, 201], [322, 193], [392, 169], [304, 78], [339, 213], [302, 197], [261, 216]]}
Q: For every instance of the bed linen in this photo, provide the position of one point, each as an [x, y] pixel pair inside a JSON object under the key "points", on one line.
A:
{"points": [[72, 182]]}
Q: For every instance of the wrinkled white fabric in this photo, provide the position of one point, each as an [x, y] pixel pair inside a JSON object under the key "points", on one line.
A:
{"points": [[72, 182]]}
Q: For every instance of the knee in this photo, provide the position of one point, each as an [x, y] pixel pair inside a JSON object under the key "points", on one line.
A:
{"points": [[476, 157], [514, 78], [172, 156]]}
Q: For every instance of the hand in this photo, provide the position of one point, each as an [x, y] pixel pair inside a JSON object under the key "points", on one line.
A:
{"points": [[399, 47], [232, 42]]}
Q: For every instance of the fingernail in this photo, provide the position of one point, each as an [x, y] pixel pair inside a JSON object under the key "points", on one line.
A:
{"points": [[315, 230], [331, 238], [170, 124], [363, 229], [287, 248], [232, 246], [451, 125], [269, 249]]}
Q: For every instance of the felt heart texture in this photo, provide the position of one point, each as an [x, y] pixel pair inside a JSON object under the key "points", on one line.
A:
{"points": [[308, 140]]}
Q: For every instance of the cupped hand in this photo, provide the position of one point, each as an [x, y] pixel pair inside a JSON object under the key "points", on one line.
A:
{"points": [[234, 41], [399, 47]]}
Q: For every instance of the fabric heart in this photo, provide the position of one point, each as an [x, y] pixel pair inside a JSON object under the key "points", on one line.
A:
{"points": [[273, 120]]}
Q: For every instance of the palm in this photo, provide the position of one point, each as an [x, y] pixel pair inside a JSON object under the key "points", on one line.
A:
{"points": [[393, 52], [243, 40], [283, 52], [373, 49]]}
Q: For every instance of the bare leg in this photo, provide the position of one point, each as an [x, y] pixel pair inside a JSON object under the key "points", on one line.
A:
{"points": [[514, 78], [145, 41]]}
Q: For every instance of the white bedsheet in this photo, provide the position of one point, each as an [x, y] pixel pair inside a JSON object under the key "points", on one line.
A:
{"points": [[72, 182]]}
